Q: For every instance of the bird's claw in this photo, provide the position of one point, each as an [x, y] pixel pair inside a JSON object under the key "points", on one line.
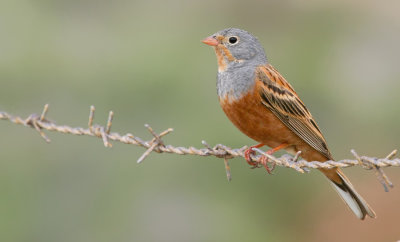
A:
{"points": [[257, 164], [247, 157]]}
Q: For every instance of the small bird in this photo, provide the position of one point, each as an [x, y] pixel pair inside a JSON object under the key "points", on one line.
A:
{"points": [[265, 107]]}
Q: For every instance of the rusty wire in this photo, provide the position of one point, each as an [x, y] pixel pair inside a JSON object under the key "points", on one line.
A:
{"points": [[40, 123]]}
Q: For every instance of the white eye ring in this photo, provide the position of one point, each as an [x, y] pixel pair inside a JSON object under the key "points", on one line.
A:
{"points": [[233, 40]]}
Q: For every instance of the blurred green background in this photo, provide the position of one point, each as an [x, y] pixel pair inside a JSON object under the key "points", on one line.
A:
{"points": [[144, 60]]}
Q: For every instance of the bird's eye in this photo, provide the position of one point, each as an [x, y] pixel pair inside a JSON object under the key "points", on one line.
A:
{"points": [[233, 40]]}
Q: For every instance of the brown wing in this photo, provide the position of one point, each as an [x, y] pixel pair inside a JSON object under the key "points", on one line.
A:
{"points": [[279, 97]]}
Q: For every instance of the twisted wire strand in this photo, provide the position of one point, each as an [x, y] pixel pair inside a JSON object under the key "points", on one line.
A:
{"points": [[40, 123]]}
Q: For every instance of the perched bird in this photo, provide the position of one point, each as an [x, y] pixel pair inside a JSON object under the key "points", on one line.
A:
{"points": [[265, 107]]}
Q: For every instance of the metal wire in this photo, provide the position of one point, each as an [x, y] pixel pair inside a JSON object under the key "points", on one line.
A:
{"points": [[40, 123]]}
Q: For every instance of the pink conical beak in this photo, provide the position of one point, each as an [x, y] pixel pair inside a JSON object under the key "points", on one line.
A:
{"points": [[210, 41]]}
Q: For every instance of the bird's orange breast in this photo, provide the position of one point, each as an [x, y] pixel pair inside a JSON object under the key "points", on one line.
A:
{"points": [[255, 120]]}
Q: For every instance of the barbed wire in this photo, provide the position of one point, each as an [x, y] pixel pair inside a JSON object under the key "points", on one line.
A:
{"points": [[156, 144]]}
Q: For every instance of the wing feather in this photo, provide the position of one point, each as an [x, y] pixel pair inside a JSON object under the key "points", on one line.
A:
{"points": [[279, 97]]}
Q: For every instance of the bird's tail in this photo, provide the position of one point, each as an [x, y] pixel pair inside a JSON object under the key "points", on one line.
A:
{"points": [[349, 195]]}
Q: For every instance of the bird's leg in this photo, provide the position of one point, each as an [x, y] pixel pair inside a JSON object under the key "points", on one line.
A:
{"points": [[264, 159], [249, 152]]}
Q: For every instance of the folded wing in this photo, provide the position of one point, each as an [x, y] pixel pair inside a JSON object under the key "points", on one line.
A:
{"points": [[279, 97]]}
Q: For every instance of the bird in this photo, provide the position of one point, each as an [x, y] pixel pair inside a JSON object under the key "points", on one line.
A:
{"points": [[259, 101]]}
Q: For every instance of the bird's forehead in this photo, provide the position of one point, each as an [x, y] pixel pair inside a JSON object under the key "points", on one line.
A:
{"points": [[232, 31]]}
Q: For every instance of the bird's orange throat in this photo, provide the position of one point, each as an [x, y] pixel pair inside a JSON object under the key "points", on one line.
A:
{"points": [[223, 56], [219, 52]]}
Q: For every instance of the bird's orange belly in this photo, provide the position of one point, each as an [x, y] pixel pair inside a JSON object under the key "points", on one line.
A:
{"points": [[257, 121]]}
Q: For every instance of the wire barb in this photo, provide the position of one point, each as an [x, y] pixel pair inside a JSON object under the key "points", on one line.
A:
{"points": [[91, 118], [156, 144], [109, 122], [226, 161], [227, 169], [44, 112], [367, 163]]}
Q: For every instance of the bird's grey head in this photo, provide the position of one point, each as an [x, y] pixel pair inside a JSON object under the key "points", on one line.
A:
{"points": [[235, 48]]}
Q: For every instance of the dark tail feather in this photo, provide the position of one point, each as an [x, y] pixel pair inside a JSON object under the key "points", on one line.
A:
{"points": [[349, 195]]}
